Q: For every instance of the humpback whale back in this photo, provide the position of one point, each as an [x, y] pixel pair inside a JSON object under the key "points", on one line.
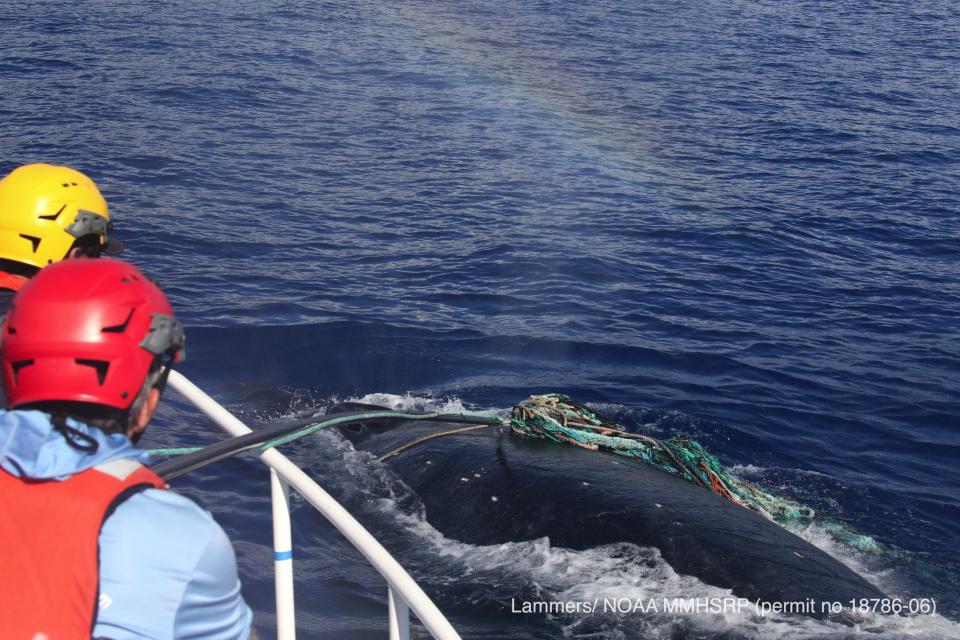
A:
{"points": [[486, 486]]}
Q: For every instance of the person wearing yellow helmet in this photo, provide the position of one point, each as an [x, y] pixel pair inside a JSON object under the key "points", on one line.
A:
{"points": [[49, 213]]}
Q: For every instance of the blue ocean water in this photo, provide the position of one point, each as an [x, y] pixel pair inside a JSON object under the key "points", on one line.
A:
{"points": [[736, 220]]}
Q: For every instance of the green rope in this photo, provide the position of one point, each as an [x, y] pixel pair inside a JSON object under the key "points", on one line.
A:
{"points": [[313, 428], [265, 439], [181, 451]]}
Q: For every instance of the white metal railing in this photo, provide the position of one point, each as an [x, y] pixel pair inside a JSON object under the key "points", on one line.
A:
{"points": [[403, 593]]}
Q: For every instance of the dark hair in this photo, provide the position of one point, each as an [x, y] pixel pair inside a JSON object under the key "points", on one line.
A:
{"points": [[107, 419], [89, 245]]}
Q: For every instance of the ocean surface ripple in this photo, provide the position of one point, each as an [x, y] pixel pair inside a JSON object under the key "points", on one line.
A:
{"points": [[737, 220]]}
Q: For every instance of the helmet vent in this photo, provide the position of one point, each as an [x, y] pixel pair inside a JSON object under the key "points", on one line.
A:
{"points": [[19, 364], [53, 216], [119, 328], [34, 239], [101, 367]]}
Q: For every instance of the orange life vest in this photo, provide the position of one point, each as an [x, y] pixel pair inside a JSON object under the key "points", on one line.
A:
{"points": [[49, 553], [12, 281]]}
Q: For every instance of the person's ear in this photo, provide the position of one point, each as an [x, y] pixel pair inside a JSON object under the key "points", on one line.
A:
{"points": [[141, 419]]}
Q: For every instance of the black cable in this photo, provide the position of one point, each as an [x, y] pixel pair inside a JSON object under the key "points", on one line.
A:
{"points": [[217, 451]]}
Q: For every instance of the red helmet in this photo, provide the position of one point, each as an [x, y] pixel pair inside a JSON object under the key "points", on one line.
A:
{"points": [[86, 331]]}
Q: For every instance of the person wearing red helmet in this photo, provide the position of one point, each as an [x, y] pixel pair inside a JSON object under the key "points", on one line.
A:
{"points": [[100, 544]]}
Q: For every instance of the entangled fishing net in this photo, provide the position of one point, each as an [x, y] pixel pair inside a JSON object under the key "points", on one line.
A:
{"points": [[557, 418]]}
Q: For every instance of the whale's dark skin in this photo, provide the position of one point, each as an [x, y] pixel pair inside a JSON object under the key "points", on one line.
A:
{"points": [[580, 499]]}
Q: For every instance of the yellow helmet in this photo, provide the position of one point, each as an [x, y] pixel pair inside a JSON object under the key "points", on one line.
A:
{"points": [[45, 208]]}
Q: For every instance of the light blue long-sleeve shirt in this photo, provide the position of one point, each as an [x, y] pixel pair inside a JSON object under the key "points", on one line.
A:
{"points": [[167, 569]]}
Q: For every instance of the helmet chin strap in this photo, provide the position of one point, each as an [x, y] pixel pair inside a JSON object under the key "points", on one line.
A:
{"points": [[162, 380], [74, 437]]}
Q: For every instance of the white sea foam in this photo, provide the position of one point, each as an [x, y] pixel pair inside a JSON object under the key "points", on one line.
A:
{"points": [[627, 574], [747, 469], [409, 402]]}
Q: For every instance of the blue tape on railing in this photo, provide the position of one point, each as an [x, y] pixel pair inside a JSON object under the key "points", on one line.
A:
{"points": [[282, 555]]}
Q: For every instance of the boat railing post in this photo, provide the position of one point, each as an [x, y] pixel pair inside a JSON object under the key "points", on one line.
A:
{"points": [[409, 595], [283, 558], [399, 616]]}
